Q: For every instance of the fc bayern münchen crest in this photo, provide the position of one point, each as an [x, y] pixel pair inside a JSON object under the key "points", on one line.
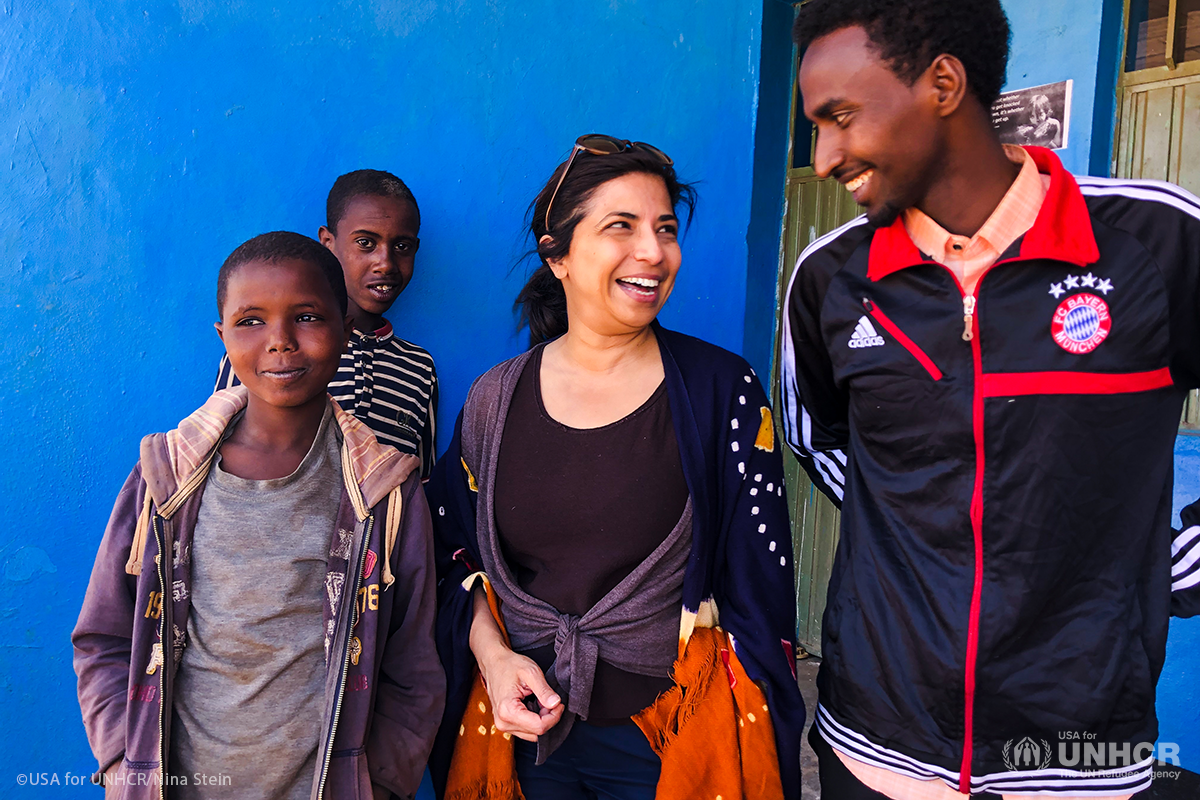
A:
{"points": [[1080, 323]]}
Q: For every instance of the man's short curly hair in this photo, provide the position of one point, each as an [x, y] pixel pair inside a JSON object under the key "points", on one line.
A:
{"points": [[365, 183], [910, 34]]}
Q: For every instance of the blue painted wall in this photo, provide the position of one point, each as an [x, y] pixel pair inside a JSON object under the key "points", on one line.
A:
{"points": [[141, 142], [772, 105]]}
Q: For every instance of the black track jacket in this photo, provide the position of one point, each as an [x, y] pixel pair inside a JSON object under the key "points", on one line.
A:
{"points": [[1003, 462]]}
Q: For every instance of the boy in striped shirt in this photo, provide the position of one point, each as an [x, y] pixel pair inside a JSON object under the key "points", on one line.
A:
{"points": [[372, 225]]}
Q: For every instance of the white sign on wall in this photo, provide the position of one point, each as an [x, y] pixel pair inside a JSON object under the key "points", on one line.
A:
{"points": [[1040, 115]]}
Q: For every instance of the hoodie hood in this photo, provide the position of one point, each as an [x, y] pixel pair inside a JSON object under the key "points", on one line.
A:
{"points": [[175, 464]]}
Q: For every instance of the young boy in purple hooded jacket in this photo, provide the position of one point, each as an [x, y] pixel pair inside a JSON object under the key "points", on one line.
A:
{"points": [[259, 620]]}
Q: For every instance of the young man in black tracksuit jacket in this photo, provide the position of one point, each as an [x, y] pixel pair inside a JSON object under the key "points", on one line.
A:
{"points": [[998, 428]]}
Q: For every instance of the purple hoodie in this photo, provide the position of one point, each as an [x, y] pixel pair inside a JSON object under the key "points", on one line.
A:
{"points": [[381, 709]]}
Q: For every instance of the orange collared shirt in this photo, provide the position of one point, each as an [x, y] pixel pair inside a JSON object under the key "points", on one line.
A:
{"points": [[970, 257]]}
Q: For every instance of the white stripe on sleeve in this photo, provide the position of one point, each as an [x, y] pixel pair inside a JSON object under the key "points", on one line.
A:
{"points": [[1141, 191], [797, 423], [1185, 538]]}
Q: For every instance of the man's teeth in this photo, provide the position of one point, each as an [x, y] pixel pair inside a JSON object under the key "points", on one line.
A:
{"points": [[860, 181], [649, 283]]}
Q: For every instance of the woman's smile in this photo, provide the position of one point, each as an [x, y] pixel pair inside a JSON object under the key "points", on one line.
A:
{"points": [[641, 288]]}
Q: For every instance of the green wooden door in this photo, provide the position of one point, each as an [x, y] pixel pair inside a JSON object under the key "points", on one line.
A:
{"points": [[813, 207], [1158, 96]]}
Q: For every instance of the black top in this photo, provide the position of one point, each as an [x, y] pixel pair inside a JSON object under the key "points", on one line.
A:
{"points": [[578, 510]]}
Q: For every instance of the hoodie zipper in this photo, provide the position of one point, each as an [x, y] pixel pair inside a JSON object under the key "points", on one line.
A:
{"points": [[162, 677], [341, 689]]}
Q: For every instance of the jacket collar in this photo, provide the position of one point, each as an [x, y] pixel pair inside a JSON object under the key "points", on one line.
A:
{"points": [[175, 464], [1062, 231]]}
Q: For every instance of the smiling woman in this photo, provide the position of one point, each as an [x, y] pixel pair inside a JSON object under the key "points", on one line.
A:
{"points": [[643, 175], [597, 483]]}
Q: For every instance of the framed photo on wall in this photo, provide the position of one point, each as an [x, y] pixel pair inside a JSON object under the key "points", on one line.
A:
{"points": [[1039, 115]]}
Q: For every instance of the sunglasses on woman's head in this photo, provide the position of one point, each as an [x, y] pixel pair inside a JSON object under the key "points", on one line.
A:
{"points": [[599, 144]]}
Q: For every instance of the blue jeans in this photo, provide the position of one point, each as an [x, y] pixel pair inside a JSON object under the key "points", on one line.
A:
{"points": [[611, 762]]}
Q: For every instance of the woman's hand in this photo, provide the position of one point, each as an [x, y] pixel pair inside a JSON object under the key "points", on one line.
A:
{"points": [[510, 678]]}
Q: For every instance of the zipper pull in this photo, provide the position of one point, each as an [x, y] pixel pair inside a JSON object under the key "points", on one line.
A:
{"points": [[868, 305], [968, 317]]}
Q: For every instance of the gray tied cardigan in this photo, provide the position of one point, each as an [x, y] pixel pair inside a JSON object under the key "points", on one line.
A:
{"points": [[634, 627]]}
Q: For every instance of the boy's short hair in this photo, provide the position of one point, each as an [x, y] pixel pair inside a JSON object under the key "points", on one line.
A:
{"points": [[277, 246], [910, 34], [368, 182]]}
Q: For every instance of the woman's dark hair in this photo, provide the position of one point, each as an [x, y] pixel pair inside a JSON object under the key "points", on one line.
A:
{"points": [[542, 304]]}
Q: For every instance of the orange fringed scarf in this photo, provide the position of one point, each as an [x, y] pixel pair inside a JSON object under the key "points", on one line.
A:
{"points": [[483, 767], [711, 730]]}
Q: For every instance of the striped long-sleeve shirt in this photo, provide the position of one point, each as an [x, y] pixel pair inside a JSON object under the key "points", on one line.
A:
{"points": [[387, 383]]}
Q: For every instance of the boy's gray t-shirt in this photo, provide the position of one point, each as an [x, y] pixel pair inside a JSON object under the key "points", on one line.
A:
{"points": [[250, 689]]}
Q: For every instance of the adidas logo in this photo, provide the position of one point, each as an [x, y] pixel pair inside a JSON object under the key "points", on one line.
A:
{"points": [[865, 335]]}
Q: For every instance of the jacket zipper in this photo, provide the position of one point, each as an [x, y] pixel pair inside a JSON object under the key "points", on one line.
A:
{"points": [[971, 334], [341, 690], [907, 343], [162, 678], [968, 317]]}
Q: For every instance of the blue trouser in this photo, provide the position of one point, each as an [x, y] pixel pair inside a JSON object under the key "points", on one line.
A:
{"points": [[613, 762]]}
